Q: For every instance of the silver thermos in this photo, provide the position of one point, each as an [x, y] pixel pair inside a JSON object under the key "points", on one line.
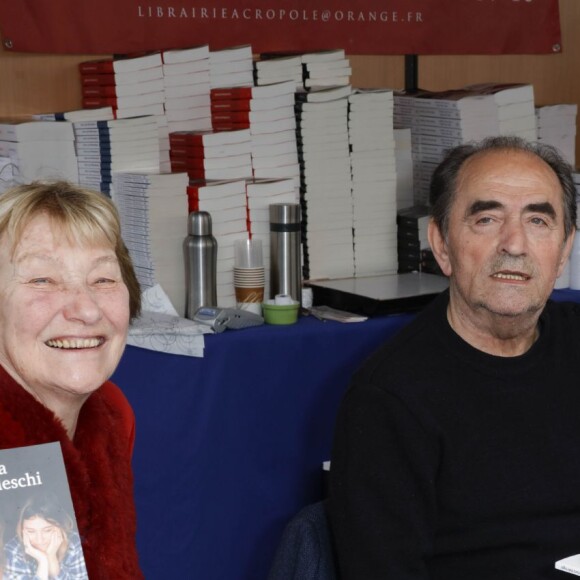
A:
{"points": [[285, 258], [200, 251]]}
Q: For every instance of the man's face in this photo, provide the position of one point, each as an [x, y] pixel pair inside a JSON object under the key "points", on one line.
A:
{"points": [[505, 245]]}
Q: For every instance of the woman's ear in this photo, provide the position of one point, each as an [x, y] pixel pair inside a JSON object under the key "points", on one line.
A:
{"points": [[439, 247]]}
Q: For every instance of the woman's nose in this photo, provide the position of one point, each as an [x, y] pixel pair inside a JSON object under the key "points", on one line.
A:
{"points": [[81, 304]]}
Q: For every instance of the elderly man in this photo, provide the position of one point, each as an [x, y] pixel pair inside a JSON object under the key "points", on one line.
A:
{"points": [[457, 447]]}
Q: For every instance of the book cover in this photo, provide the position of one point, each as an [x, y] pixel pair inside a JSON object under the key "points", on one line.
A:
{"points": [[38, 522], [571, 564]]}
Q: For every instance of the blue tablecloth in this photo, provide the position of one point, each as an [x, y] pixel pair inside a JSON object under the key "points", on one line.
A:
{"points": [[230, 447]]}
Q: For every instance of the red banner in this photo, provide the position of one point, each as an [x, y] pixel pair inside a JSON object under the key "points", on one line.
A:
{"points": [[360, 27]]}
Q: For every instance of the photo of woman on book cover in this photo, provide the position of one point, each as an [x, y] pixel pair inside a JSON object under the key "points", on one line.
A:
{"points": [[45, 546], [2, 553]]}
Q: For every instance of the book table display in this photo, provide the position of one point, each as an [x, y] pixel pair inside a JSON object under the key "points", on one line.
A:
{"points": [[230, 446]]}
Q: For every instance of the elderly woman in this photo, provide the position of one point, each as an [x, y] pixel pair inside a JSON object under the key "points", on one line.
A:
{"points": [[67, 294]]}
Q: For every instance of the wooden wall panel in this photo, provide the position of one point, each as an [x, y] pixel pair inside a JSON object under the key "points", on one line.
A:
{"points": [[44, 83]]}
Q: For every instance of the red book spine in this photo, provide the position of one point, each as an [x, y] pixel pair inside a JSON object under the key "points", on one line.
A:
{"points": [[230, 105], [90, 80], [230, 117], [96, 66], [231, 93], [96, 102], [99, 91], [179, 150], [228, 126], [185, 138]]}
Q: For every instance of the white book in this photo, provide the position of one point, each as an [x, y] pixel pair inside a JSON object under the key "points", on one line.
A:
{"points": [[231, 68], [138, 76], [194, 92], [322, 83], [152, 86], [188, 102], [324, 56], [294, 73], [327, 94], [190, 125], [260, 128], [36, 131], [137, 63], [188, 114], [196, 78], [262, 91], [241, 52], [278, 62], [237, 79], [145, 110], [194, 66], [186, 55], [274, 161], [571, 564], [273, 138], [98, 114], [274, 149]]}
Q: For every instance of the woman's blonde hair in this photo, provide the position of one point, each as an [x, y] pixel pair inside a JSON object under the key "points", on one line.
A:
{"points": [[84, 216]]}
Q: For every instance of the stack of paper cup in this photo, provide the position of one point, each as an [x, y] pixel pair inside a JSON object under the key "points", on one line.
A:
{"points": [[249, 275]]}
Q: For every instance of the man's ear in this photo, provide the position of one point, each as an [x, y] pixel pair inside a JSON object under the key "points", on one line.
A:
{"points": [[568, 244], [439, 247]]}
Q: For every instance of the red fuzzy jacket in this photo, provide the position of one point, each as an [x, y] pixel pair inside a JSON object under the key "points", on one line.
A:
{"points": [[98, 465]]}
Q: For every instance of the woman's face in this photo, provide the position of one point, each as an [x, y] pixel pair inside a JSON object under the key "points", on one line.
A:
{"points": [[39, 532], [64, 313]]}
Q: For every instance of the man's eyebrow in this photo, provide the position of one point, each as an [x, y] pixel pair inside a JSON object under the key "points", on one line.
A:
{"points": [[482, 205], [545, 207]]}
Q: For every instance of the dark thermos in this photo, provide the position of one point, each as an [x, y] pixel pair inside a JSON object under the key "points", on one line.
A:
{"points": [[200, 251], [285, 258]]}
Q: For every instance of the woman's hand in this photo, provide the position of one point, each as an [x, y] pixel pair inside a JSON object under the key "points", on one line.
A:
{"points": [[56, 540], [40, 557]]}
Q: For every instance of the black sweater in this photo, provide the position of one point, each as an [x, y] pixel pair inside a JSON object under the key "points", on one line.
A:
{"points": [[453, 464]]}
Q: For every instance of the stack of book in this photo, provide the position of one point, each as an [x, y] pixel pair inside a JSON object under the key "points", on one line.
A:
{"points": [[515, 107], [440, 121], [98, 114], [326, 68], [404, 163], [232, 67], [260, 194], [153, 212], [226, 203], [104, 147], [39, 150], [132, 86], [308, 71], [271, 69], [374, 181], [326, 196], [212, 155], [557, 127], [412, 238], [186, 83], [267, 112]]}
